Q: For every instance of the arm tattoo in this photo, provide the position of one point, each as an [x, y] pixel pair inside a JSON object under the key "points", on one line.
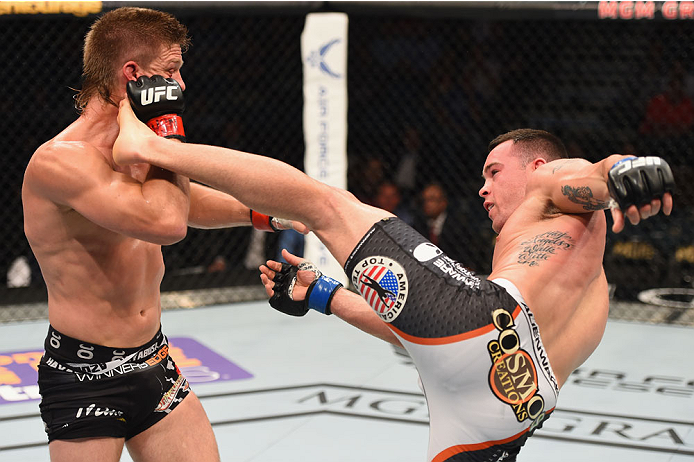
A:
{"points": [[584, 196], [544, 245]]}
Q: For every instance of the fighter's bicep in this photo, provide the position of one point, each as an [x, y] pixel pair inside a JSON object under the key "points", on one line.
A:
{"points": [[551, 176], [571, 185], [82, 180]]}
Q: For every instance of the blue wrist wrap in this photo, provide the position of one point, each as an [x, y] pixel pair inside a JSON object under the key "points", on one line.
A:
{"points": [[321, 294], [622, 161]]}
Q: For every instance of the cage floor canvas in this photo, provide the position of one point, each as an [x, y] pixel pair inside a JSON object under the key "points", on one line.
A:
{"points": [[309, 389]]}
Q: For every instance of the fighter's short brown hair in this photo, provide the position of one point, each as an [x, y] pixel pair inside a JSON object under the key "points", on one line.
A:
{"points": [[121, 35], [533, 144]]}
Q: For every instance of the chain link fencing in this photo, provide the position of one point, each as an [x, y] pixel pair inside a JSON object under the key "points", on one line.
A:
{"points": [[428, 88]]}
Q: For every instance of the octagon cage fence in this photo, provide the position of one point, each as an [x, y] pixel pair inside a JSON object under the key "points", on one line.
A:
{"points": [[429, 85]]}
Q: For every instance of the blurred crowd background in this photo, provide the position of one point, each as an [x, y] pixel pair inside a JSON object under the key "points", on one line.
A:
{"points": [[428, 89]]}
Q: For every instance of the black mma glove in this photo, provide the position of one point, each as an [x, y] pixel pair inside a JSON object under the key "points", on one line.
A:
{"points": [[638, 180], [267, 223], [318, 295], [159, 103]]}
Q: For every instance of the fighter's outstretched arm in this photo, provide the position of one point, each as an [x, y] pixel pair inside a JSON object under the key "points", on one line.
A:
{"points": [[579, 186], [346, 305], [264, 184], [212, 209]]}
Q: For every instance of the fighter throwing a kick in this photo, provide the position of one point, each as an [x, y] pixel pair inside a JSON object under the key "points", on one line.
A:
{"points": [[492, 354]]}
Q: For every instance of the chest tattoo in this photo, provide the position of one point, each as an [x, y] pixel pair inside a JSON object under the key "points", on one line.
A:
{"points": [[538, 249]]}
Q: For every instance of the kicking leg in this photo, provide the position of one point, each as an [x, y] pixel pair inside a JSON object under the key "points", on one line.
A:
{"points": [[262, 183]]}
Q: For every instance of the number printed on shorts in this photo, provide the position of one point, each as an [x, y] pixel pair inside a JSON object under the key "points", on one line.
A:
{"points": [[55, 340], [85, 352]]}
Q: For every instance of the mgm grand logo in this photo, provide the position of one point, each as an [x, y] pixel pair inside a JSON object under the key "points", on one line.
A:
{"points": [[513, 376]]}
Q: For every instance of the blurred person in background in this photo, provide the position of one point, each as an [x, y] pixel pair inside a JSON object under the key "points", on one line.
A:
{"points": [[365, 174], [671, 112], [432, 221], [408, 171], [388, 197], [440, 222]]}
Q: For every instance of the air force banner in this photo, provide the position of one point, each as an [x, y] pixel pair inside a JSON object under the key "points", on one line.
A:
{"points": [[324, 55]]}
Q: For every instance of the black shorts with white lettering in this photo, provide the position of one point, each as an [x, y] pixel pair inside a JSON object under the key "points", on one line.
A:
{"points": [[91, 391]]}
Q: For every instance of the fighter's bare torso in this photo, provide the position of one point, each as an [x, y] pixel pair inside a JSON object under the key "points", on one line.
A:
{"points": [[103, 286], [555, 260]]}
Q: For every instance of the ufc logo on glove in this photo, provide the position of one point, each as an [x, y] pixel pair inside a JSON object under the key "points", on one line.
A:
{"points": [[158, 102], [628, 164], [153, 95]]}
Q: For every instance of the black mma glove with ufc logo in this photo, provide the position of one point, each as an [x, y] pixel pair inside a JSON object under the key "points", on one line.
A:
{"points": [[638, 180], [159, 103]]}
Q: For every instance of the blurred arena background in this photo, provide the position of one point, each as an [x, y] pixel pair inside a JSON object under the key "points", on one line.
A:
{"points": [[429, 85]]}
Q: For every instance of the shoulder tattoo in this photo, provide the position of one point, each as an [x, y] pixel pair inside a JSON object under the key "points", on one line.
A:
{"points": [[583, 195], [538, 249], [560, 164]]}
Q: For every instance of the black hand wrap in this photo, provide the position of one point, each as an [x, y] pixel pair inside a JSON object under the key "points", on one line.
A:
{"points": [[638, 180], [319, 293], [159, 103]]}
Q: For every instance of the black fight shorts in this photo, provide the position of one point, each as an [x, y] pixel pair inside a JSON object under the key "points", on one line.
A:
{"points": [[91, 391]]}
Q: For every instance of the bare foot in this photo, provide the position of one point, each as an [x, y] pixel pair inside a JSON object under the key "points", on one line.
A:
{"points": [[132, 137]]}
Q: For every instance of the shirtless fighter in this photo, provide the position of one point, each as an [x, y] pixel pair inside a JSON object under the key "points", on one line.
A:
{"points": [[96, 229], [492, 354]]}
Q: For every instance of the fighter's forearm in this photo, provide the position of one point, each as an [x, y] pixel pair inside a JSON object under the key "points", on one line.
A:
{"points": [[211, 209], [578, 186]]}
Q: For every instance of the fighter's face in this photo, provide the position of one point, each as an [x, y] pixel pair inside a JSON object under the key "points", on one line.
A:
{"points": [[168, 63], [504, 184]]}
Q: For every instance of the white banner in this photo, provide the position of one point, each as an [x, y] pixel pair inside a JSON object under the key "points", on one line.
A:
{"points": [[324, 55]]}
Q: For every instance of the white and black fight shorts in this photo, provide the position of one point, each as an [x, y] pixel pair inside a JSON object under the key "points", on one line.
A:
{"points": [[475, 344]]}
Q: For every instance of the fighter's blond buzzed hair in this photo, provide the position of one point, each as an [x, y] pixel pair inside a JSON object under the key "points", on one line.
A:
{"points": [[121, 35]]}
